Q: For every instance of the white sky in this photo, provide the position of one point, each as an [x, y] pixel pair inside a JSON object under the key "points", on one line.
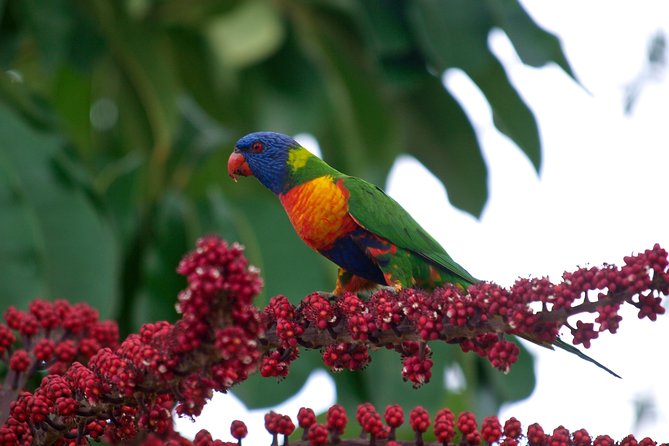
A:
{"points": [[602, 194]]}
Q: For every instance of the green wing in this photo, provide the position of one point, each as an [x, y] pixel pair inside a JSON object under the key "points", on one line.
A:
{"points": [[380, 214]]}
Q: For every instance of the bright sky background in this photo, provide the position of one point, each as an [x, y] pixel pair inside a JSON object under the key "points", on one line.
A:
{"points": [[603, 193]]}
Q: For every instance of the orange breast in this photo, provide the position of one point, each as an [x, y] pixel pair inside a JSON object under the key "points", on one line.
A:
{"points": [[318, 210]]}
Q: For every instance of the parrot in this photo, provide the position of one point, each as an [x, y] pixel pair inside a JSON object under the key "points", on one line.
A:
{"points": [[353, 223]]}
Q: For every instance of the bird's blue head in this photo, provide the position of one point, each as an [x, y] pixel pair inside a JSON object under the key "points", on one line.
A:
{"points": [[263, 155]]}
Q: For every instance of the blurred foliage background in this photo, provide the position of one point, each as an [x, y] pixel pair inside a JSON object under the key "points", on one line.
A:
{"points": [[117, 118]]}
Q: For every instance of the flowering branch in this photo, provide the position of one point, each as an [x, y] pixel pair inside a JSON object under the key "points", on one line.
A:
{"points": [[126, 391]]}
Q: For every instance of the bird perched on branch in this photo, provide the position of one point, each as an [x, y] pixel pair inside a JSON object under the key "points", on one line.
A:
{"points": [[372, 239]]}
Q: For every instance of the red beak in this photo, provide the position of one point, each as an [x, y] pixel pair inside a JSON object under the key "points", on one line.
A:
{"points": [[237, 166]]}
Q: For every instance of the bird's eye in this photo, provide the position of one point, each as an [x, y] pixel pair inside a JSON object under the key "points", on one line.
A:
{"points": [[257, 147]]}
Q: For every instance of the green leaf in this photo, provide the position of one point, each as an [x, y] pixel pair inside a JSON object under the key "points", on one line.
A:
{"points": [[169, 241], [535, 45], [51, 24], [282, 101], [438, 133], [141, 56], [54, 242], [386, 27], [358, 137], [72, 101], [510, 113], [247, 34], [454, 34]]}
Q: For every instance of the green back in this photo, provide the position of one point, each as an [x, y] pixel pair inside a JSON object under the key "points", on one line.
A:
{"points": [[380, 214]]}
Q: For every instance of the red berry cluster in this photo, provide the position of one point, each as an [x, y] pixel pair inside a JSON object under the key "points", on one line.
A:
{"points": [[100, 388], [49, 336], [479, 319], [447, 430], [132, 387], [53, 335], [277, 424]]}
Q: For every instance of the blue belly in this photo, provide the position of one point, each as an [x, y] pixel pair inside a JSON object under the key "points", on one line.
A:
{"points": [[348, 252]]}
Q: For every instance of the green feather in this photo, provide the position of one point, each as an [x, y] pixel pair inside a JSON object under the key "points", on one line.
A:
{"points": [[380, 214]]}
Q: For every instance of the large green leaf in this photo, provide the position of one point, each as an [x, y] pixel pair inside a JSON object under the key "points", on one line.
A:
{"points": [[437, 133], [510, 113], [358, 129], [72, 100], [246, 34], [535, 45], [54, 242], [454, 34], [51, 24], [142, 57]]}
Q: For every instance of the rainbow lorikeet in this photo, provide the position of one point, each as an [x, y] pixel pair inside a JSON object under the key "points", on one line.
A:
{"points": [[372, 239], [346, 219]]}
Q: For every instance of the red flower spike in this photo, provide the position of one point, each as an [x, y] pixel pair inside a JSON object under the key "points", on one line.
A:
{"points": [[608, 318], [279, 307], [305, 419], [96, 429], [272, 421], [13, 317], [512, 428], [363, 410], [419, 420], [467, 425], [336, 421], [394, 417], [629, 441], [29, 325], [203, 438], [8, 437], [491, 429], [276, 363], [66, 406], [560, 437], [650, 306], [238, 430], [584, 333], [288, 332], [417, 366], [66, 351], [7, 338], [535, 435], [19, 361], [318, 435], [286, 426], [346, 356], [444, 426], [647, 442], [604, 440], [503, 354], [581, 438], [39, 408], [385, 309], [318, 310]]}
